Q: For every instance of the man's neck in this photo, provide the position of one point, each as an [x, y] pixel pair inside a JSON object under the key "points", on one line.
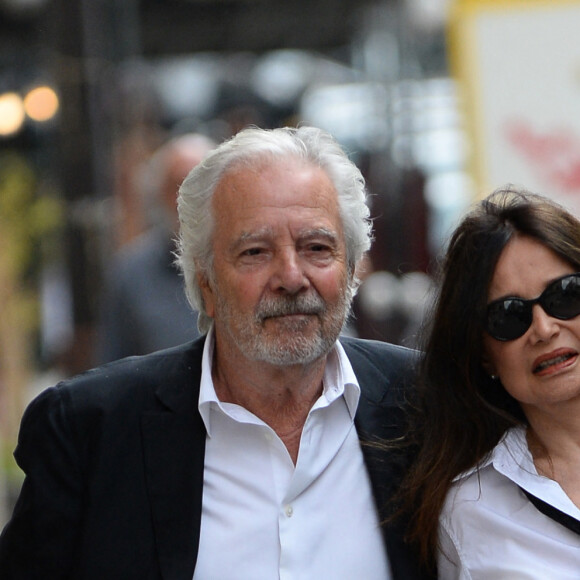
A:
{"points": [[281, 396]]}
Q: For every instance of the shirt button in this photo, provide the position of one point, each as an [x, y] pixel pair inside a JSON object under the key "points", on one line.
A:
{"points": [[288, 511]]}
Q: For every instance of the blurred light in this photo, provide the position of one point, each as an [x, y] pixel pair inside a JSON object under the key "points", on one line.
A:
{"points": [[380, 296], [186, 85], [281, 76], [356, 113], [11, 114], [41, 104], [428, 16], [23, 8]]}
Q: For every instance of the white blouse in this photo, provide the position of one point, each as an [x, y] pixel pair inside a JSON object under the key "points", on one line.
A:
{"points": [[490, 529]]}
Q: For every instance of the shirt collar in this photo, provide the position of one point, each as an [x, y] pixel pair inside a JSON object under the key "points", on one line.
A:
{"points": [[510, 451], [511, 458], [207, 394], [339, 380]]}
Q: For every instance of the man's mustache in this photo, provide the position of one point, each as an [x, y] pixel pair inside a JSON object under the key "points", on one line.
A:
{"points": [[288, 305]]}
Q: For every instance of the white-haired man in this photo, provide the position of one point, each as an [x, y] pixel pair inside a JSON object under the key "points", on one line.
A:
{"points": [[238, 455]]}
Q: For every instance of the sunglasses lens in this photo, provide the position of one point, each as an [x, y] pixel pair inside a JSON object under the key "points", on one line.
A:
{"points": [[562, 299], [508, 319]]}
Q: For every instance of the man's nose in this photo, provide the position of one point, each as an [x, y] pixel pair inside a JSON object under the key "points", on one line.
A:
{"points": [[289, 275]]}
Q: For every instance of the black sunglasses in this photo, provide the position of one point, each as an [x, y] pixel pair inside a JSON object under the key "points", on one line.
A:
{"points": [[509, 318]]}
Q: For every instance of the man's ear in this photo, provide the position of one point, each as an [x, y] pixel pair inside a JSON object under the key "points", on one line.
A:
{"points": [[362, 268], [207, 293]]}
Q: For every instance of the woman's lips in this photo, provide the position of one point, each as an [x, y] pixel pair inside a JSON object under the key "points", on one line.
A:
{"points": [[553, 361]]}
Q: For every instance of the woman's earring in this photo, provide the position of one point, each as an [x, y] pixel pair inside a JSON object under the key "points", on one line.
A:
{"points": [[493, 377]]}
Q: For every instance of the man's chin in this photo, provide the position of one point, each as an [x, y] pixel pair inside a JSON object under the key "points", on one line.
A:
{"points": [[289, 349], [288, 358]]}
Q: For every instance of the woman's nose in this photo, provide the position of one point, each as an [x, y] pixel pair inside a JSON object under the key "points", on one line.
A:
{"points": [[543, 326]]}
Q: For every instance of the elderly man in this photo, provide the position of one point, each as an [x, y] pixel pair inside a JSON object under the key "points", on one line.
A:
{"points": [[237, 455]]}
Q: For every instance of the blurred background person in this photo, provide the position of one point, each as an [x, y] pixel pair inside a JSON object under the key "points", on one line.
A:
{"points": [[144, 307], [495, 488]]}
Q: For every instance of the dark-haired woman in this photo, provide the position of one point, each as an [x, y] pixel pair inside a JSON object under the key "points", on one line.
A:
{"points": [[495, 488]]}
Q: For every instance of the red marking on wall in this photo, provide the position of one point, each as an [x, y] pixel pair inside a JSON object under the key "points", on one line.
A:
{"points": [[554, 155]]}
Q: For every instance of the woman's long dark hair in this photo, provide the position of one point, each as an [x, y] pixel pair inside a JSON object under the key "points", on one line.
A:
{"points": [[460, 413]]}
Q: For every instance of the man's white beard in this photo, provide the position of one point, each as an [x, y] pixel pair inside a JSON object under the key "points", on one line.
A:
{"points": [[295, 342]]}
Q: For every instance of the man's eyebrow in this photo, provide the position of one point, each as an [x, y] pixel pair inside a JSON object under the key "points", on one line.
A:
{"points": [[249, 237], [325, 233], [266, 233]]}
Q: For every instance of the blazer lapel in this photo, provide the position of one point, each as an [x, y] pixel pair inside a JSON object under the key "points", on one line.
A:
{"points": [[174, 448], [380, 415], [375, 424]]}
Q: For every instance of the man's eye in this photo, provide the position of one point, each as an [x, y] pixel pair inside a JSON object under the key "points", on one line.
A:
{"points": [[252, 252], [319, 248]]}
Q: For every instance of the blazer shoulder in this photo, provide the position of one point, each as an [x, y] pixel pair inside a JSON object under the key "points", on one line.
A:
{"points": [[134, 381], [385, 371], [152, 365], [384, 357]]}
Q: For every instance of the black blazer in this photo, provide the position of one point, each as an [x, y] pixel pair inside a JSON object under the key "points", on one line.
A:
{"points": [[114, 467]]}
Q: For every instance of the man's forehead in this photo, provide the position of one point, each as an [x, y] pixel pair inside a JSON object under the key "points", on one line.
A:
{"points": [[287, 188]]}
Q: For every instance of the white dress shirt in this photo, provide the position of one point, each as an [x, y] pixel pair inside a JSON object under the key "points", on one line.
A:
{"points": [[265, 518], [490, 529]]}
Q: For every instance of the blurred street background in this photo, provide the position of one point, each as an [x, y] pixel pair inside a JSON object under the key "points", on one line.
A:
{"points": [[437, 101]]}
